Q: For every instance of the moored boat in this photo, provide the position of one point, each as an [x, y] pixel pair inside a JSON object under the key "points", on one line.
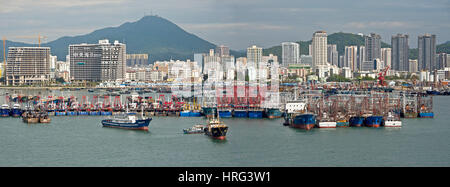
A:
{"points": [[373, 121], [325, 121], [303, 121], [273, 113], [16, 110], [392, 120], [209, 111], [356, 121], [4, 110]]}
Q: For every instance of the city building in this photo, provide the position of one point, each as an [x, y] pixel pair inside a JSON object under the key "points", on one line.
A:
{"points": [[290, 53], [254, 54], [27, 65], [413, 66], [350, 58], [222, 50], [442, 60], [386, 57], [98, 62], [400, 52], [372, 46], [427, 52], [319, 49], [332, 54], [137, 60], [361, 56], [306, 60]]}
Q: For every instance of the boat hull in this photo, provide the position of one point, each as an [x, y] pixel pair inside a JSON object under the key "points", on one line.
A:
{"points": [[218, 133], [356, 121], [392, 124], [273, 113], [4, 112], [327, 124], [255, 114], [240, 114], [342, 124], [426, 115], [16, 112], [225, 114], [303, 121], [373, 121]]}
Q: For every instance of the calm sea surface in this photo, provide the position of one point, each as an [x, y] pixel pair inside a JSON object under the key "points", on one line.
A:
{"points": [[82, 141]]}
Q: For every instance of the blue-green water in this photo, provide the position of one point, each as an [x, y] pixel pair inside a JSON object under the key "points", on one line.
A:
{"points": [[82, 141]]}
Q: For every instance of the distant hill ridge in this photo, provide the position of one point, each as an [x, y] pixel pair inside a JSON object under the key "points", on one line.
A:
{"points": [[164, 40]]}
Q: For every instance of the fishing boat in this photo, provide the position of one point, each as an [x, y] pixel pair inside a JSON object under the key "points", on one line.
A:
{"points": [[196, 129], [240, 112], [302, 121], [4, 110], [225, 112], [254, 112], [44, 118], [356, 121], [392, 120], [373, 121], [30, 117], [273, 113], [325, 121], [209, 111], [127, 121], [16, 110]]}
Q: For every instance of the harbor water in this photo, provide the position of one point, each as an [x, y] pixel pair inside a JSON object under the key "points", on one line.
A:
{"points": [[82, 141]]}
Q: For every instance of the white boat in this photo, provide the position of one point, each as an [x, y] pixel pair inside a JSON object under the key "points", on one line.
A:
{"points": [[326, 122], [392, 121]]}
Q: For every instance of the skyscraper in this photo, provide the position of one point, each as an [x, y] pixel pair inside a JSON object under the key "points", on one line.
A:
{"points": [[361, 56], [332, 54], [373, 46], [427, 52], [319, 49], [290, 53], [400, 52], [254, 55], [350, 57], [441, 61]]}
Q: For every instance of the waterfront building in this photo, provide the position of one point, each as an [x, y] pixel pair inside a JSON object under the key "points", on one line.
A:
{"points": [[98, 62], [137, 60], [427, 52], [27, 65], [290, 53], [400, 52], [372, 46]]}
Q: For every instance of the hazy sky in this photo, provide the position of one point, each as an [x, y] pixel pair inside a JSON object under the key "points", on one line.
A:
{"points": [[236, 23]]}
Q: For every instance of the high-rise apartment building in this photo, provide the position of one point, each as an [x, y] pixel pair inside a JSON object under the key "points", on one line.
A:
{"points": [[222, 50], [361, 56], [254, 55], [27, 65], [427, 52], [372, 46], [400, 52], [290, 53], [350, 57], [386, 57], [332, 54], [137, 60], [98, 62], [319, 49]]}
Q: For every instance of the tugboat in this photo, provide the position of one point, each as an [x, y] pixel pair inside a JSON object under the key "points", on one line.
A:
{"points": [[196, 129], [127, 121], [16, 110], [4, 110], [216, 129]]}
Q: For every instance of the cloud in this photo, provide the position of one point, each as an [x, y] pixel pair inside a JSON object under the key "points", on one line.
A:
{"points": [[24, 5], [381, 24]]}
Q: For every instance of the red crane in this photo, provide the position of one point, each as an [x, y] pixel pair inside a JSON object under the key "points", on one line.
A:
{"points": [[381, 76]]}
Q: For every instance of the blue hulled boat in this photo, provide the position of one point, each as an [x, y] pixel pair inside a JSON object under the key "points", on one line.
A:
{"points": [[255, 113], [303, 121], [272, 113], [4, 110], [127, 121], [16, 110], [225, 113], [356, 121], [373, 121], [240, 113]]}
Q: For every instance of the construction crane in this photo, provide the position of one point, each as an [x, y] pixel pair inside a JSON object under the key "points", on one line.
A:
{"points": [[381, 76], [32, 36]]}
